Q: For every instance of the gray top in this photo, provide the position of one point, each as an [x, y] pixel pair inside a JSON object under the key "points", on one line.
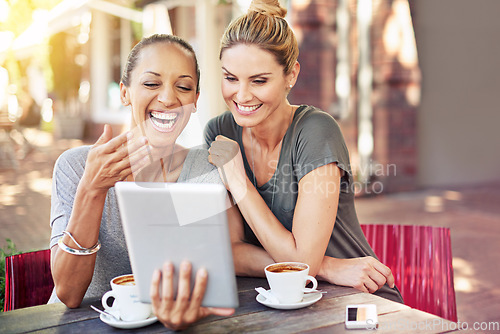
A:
{"points": [[112, 259], [314, 139]]}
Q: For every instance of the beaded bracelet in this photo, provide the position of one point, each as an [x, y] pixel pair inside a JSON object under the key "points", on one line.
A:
{"points": [[84, 251]]}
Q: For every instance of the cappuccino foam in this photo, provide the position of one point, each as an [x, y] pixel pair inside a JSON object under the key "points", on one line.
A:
{"points": [[286, 268], [125, 280]]}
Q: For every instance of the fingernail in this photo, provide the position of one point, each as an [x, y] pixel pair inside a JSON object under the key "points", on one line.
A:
{"points": [[168, 267], [156, 274], [144, 140], [130, 135], [202, 273], [185, 265]]}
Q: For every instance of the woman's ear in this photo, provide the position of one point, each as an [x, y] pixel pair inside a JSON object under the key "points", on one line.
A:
{"points": [[195, 102], [294, 75], [124, 95]]}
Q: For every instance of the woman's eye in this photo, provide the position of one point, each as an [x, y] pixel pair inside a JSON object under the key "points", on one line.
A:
{"points": [[260, 81], [151, 85], [186, 89], [229, 78]]}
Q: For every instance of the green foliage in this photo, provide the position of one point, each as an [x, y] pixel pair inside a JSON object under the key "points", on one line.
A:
{"points": [[20, 17], [21, 14], [10, 249], [47, 126], [66, 74], [136, 31]]}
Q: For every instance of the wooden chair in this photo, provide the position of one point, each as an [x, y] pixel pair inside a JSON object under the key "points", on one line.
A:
{"points": [[421, 261], [28, 279]]}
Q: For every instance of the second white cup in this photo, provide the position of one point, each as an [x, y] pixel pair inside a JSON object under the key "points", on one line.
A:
{"points": [[126, 304], [287, 281]]}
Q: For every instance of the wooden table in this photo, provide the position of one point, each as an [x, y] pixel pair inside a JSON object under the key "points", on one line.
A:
{"points": [[325, 316]]}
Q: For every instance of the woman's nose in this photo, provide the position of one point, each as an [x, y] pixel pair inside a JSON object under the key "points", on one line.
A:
{"points": [[243, 94], [166, 95]]}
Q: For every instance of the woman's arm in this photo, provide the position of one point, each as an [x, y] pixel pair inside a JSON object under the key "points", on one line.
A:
{"points": [[72, 274], [249, 260], [107, 163], [365, 273], [314, 215], [313, 219]]}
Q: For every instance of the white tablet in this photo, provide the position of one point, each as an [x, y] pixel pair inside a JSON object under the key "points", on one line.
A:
{"points": [[175, 222]]}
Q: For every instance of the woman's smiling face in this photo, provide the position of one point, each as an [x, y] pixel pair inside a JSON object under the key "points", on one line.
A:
{"points": [[253, 84], [162, 92]]}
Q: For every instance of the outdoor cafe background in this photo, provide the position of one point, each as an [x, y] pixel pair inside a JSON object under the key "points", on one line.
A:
{"points": [[397, 98]]}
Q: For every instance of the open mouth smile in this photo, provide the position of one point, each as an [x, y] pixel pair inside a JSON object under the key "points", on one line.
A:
{"points": [[163, 121], [247, 110]]}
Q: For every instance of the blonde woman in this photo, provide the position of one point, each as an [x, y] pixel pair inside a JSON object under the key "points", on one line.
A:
{"points": [[287, 166]]}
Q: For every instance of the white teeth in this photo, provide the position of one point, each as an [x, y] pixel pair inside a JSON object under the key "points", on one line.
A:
{"points": [[248, 109], [161, 115], [162, 125], [163, 120]]}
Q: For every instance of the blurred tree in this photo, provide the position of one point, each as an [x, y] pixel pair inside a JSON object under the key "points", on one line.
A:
{"points": [[19, 18], [66, 74], [21, 14]]}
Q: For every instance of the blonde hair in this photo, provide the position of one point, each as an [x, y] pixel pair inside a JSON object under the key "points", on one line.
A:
{"points": [[264, 25]]}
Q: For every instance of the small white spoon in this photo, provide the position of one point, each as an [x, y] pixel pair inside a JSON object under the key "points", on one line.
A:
{"points": [[315, 291], [105, 313], [268, 295]]}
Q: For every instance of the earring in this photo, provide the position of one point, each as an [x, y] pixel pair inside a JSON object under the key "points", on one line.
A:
{"points": [[290, 86]]}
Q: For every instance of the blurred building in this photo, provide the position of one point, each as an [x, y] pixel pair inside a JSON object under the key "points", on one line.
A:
{"points": [[412, 83], [359, 63]]}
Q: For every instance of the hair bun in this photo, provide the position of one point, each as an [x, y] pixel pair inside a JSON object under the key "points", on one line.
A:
{"points": [[268, 7]]}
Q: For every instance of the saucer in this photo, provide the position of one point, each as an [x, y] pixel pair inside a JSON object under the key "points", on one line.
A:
{"points": [[309, 299], [128, 324]]}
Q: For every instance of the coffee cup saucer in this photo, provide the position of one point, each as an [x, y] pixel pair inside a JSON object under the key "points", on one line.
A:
{"points": [[309, 299], [128, 324]]}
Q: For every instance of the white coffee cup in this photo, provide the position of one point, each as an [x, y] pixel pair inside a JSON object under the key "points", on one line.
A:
{"points": [[287, 281], [126, 304]]}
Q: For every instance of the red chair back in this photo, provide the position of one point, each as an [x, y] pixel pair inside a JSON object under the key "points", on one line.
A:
{"points": [[28, 280], [421, 261]]}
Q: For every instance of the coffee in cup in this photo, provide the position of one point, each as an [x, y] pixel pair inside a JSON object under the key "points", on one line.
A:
{"points": [[124, 280], [287, 281], [126, 305], [287, 267]]}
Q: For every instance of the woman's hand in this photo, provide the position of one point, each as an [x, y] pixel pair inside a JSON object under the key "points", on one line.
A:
{"points": [[185, 309], [225, 154], [110, 159], [363, 273]]}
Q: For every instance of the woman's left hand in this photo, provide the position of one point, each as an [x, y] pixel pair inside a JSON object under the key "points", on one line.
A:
{"points": [[225, 154], [185, 309], [366, 274]]}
